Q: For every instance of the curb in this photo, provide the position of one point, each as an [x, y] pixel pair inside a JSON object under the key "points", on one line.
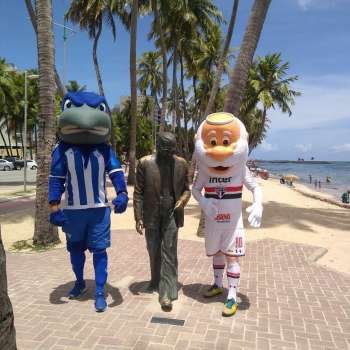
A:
{"points": [[316, 255], [13, 198]]}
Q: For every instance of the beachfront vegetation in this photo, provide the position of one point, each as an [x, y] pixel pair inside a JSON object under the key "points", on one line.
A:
{"points": [[192, 71]]}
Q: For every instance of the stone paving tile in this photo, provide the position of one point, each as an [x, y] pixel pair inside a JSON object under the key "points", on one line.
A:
{"points": [[285, 302]]}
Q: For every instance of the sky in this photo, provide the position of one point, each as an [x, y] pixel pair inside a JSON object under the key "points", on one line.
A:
{"points": [[312, 35]]}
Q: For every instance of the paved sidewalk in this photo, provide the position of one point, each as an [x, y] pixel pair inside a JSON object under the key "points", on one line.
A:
{"points": [[285, 302]]}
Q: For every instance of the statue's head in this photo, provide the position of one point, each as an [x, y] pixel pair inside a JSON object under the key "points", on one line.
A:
{"points": [[221, 143], [84, 119], [166, 145]]}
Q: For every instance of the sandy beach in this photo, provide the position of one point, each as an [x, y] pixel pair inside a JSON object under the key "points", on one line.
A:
{"points": [[288, 215]]}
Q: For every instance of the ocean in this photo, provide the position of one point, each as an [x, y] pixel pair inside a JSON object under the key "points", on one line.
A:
{"points": [[339, 173]]}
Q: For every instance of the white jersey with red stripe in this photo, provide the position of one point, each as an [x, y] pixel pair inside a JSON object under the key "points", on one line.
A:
{"points": [[225, 231]]}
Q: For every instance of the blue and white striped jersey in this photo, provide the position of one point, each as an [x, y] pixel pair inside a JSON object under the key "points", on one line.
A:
{"points": [[84, 172]]}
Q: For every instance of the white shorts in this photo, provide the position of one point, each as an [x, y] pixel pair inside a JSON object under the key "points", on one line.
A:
{"points": [[228, 241]]}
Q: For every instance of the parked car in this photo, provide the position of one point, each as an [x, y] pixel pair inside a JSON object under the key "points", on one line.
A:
{"points": [[17, 163], [31, 164], [6, 165]]}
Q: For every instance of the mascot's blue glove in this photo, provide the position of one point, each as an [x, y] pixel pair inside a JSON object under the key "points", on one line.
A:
{"points": [[120, 202], [58, 218]]}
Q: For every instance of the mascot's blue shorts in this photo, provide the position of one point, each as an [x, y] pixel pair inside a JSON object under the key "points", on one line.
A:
{"points": [[91, 226]]}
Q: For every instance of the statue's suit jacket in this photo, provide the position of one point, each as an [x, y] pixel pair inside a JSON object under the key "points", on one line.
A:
{"points": [[147, 190]]}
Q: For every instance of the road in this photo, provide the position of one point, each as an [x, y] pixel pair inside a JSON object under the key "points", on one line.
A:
{"points": [[15, 177]]}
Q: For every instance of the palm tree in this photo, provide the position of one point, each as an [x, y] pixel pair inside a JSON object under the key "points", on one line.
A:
{"points": [[133, 86], [221, 64], [90, 15], [45, 233], [60, 88], [8, 102], [159, 31], [267, 84], [239, 76], [150, 74], [74, 86]]}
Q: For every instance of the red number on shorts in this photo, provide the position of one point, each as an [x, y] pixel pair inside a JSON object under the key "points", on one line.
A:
{"points": [[239, 242]]}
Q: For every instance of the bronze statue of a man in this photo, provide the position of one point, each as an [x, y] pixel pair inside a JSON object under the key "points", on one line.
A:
{"points": [[160, 195]]}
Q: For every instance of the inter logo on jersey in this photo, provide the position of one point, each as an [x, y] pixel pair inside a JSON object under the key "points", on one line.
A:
{"points": [[215, 180]]}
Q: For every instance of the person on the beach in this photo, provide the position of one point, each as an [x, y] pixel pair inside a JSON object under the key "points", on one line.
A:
{"points": [[310, 178], [221, 152]]}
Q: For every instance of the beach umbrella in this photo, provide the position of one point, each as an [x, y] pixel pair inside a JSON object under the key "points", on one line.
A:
{"points": [[291, 177]]}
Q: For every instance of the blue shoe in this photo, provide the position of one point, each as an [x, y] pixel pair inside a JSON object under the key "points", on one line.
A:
{"points": [[78, 290], [100, 302]]}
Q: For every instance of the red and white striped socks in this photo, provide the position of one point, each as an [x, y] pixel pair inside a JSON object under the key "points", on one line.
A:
{"points": [[219, 267], [233, 275]]}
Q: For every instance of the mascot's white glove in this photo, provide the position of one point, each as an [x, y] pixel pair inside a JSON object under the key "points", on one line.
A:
{"points": [[255, 214], [209, 206]]}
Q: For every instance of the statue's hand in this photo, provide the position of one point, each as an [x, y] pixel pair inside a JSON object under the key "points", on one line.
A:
{"points": [[139, 227]]}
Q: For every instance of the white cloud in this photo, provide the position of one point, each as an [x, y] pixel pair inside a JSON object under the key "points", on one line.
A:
{"points": [[303, 147], [306, 4], [267, 147], [342, 148], [324, 99]]}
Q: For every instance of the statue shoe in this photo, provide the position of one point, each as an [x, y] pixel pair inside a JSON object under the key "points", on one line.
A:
{"points": [[166, 304], [78, 290], [213, 291], [150, 288], [100, 302], [230, 308]]}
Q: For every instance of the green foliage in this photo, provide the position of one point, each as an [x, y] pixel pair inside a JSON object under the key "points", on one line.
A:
{"points": [[144, 139]]}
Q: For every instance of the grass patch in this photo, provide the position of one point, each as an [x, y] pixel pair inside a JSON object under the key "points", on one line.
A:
{"points": [[28, 246]]}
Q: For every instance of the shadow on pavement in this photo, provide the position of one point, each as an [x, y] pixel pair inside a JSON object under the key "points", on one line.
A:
{"points": [[196, 290], [59, 294], [138, 288]]}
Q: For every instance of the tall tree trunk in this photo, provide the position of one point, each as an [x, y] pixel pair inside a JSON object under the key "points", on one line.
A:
{"points": [[220, 68], [22, 143], [165, 65], [7, 328], [255, 141], [5, 144], [17, 153], [61, 89], [239, 76], [45, 233], [31, 144], [174, 90], [133, 85], [94, 56], [8, 130], [185, 108], [36, 139]]}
